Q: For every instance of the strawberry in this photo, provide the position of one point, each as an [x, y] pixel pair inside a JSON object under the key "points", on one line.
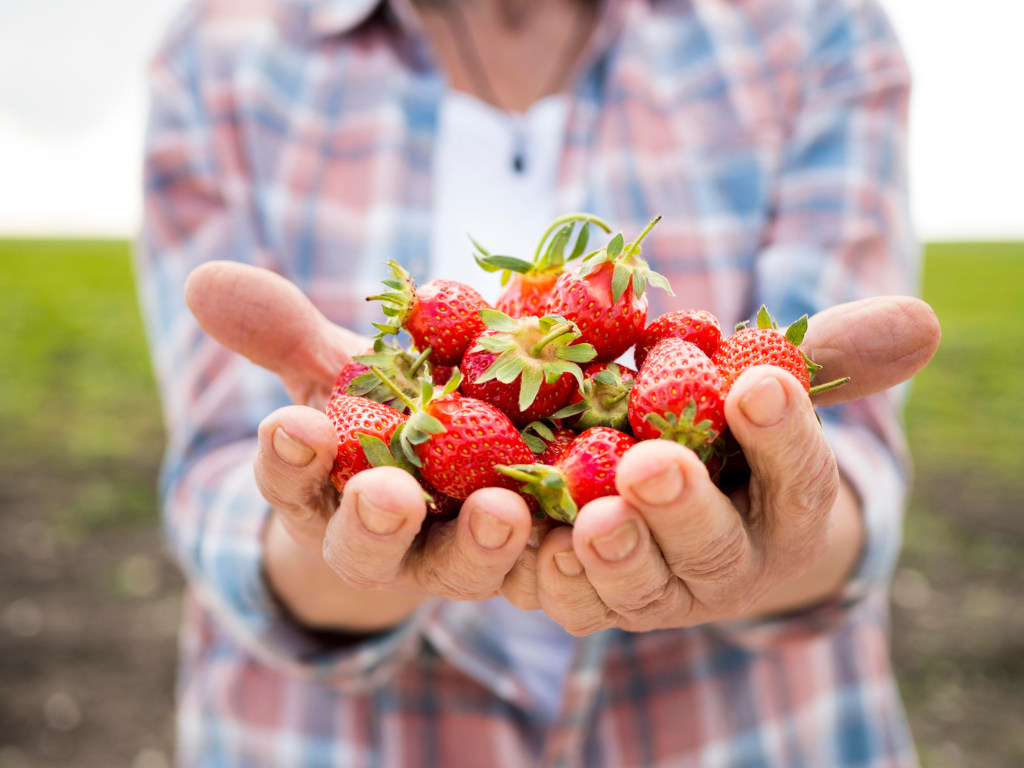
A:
{"points": [[547, 440], [441, 315], [526, 367], [696, 325], [456, 442], [355, 419], [678, 395], [404, 367], [527, 285], [351, 371], [439, 505], [584, 471], [604, 400], [604, 295], [439, 374], [768, 345]]}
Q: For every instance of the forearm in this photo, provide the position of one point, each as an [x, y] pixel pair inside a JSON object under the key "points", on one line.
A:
{"points": [[827, 577], [318, 598]]}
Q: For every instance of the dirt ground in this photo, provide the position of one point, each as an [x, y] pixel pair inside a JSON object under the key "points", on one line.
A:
{"points": [[88, 623]]}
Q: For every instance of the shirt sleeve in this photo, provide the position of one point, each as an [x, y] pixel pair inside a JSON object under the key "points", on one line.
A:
{"points": [[214, 400], [840, 231]]}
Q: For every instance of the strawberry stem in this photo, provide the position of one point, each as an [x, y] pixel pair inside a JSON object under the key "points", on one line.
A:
{"points": [[818, 389], [514, 473], [419, 361], [559, 330], [390, 385], [617, 399], [636, 243], [587, 217]]}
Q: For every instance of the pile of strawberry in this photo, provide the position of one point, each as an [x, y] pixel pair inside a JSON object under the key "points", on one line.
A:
{"points": [[527, 394]]}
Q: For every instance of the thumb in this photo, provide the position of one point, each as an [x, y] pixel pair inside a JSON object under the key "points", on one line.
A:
{"points": [[267, 319], [878, 342]]}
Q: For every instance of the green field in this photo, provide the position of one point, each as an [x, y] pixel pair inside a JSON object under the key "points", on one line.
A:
{"points": [[80, 440]]}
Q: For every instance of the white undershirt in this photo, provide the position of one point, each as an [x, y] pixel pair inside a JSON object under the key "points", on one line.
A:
{"points": [[477, 191]]}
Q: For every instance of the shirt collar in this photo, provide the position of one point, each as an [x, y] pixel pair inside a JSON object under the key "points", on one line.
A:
{"points": [[336, 17]]}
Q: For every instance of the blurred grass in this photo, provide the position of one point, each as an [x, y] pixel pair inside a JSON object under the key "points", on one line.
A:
{"points": [[965, 411], [79, 414], [958, 636], [81, 436]]}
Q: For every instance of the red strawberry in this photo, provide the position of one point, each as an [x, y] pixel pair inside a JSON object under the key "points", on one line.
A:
{"points": [[457, 441], [759, 346], [604, 400], [605, 297], [768, 345], [547, 440], [695, 325], [440, 505], [439, 374], [527, 367], [351, 371], [583, 472], [678, 395], [476, 437], [441, 315], [353, 417], [526, 295], [528, 285]]}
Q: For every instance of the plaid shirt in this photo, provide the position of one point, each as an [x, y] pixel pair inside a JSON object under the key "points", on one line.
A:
{"points": [[297, 135]]}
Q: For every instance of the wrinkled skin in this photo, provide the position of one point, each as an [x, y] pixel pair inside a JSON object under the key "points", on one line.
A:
{"points": [[669, 550]]}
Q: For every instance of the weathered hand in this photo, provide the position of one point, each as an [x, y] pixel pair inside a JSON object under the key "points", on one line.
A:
{"points": [[671, 550], [370, 540]]}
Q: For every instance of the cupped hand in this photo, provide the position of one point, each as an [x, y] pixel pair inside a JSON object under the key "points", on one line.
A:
{"points": [[370, 539], [672, 550]]}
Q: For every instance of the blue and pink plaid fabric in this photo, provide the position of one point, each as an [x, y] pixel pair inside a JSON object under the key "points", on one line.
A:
{"points": [[297, 135]]}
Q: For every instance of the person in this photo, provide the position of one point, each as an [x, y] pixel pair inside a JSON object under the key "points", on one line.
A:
{"points": [[295, 146]]}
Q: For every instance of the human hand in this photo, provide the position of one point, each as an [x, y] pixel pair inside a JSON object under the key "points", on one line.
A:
{"points": [[363, 562], [671, 550]]}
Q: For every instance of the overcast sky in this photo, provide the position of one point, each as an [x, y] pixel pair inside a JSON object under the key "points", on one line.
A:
{"points": [[72, 110]]}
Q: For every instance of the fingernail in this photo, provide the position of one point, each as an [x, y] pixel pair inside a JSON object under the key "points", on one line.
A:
{"points": [[489, 531], [616, 546], [662, 487], [568, 564], [375, 519], [290, 450], [765, 404]]}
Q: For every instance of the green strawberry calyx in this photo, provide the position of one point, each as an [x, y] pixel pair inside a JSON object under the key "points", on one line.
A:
{"points": [[629, 268], [420, 426], [396, 303], [605, 401], [686, 430], [538, 435], [547, 485], [551, 260], [406, 368], [532, 349]]}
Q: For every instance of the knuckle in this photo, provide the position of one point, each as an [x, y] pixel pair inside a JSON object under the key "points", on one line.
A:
{"points": [[718, 561], [286, 495], [583, 626], [361, 573], [657, 602], [455, 583], [579, 614], [815, 486]]}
